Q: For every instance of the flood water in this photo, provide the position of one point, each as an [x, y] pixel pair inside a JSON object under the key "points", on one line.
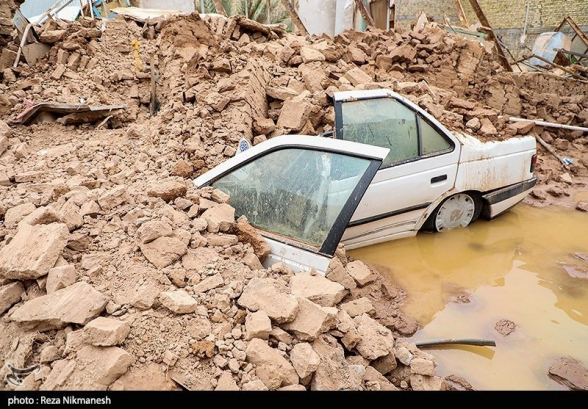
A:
{"points": [[525, 266]]}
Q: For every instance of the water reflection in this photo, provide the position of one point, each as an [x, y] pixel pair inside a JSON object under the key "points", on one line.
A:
{"points": [[526, 267]]}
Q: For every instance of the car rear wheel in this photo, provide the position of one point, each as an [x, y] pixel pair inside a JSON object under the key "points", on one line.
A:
{"points": [[456, 211]]}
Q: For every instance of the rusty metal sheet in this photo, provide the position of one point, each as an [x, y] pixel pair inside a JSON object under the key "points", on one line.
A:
{"points": [[28, 115]]}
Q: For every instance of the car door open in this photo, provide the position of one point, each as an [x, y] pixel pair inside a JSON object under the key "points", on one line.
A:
{"points": [[299, 192]]}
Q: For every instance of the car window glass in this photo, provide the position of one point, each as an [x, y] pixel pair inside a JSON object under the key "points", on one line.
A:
{"points": [[432, 141], [382, 122], [297, 193]]}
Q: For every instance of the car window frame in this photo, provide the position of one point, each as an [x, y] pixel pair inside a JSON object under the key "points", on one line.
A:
{"points": [[338, 107]]}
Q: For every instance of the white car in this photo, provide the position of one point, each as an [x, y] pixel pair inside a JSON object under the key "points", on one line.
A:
{"points": [[391, 171]]}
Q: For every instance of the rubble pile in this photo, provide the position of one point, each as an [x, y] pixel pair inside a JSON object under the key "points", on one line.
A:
{"points": [[7, 30], [108, 253]]}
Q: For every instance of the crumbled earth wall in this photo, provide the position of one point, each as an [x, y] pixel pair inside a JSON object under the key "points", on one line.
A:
{"points": [[136, 268]]}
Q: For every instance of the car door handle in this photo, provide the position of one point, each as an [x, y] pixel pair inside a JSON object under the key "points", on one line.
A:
{"points": [[438, 178]]}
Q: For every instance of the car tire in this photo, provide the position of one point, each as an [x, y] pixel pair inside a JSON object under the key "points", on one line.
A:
{"points": [[459, 210]]}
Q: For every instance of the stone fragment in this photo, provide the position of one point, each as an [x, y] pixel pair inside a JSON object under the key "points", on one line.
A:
{"points": [[10, 294], [311, 320], [164, 251], [182, 169], [294, 114], [487, 128], [219, 217], [249, 234], [209, 284], [15, 214], [358, 306], [74, 341], [226, 382], [33, 251], [270, 296], [522, 127], [375, 381], [49, 354], [360, 273], [77, 304], [272, 368], [317, 289], [167, 190], [376, 340], [257, 325], [60, 277], [113, 198], [304, 359], [357, 76], [309, 54], [152, 230], [336, 272], [42, 215], [179, 302], [571, 373], [427, 383], [106, 331], [94, 369], [334, 373]]}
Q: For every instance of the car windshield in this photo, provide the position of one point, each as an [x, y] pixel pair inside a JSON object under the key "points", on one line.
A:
{"points": [[382, 122], [294, 192]]}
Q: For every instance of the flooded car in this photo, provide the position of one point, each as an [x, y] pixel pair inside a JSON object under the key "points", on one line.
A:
{"points": [[432, 179], [389, 171]]}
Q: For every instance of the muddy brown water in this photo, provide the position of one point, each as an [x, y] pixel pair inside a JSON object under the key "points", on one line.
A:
{"points": [[525, 266]]}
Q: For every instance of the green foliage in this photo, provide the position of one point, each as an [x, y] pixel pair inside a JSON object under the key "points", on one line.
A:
{"points": [[254, 9], [209, 6]]}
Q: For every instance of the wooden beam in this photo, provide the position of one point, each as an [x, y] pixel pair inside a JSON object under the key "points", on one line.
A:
{"points": [[552, 151], [461, 14], [392, 16], [365, 13], [294, 16], [577, 29], [572, 73], [484, 21], [218, 5]]}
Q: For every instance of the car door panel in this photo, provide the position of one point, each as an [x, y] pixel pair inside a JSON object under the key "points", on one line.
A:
{"points": [[299, 192]]}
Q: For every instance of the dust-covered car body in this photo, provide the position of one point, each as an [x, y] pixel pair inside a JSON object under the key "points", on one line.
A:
{"points": [[432, 179]]}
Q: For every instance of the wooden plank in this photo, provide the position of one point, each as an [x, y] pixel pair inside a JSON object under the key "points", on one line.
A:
{"points": [[561, 50], [365, 14], [573, 74], [379, 12], [577, 29], [218, 5], [552, 151], [392, 16], [461, 14], [484, 21], [294, 16]]}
